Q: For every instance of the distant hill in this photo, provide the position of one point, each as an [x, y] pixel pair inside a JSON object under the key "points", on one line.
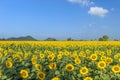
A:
{"points": [[23, 38]]}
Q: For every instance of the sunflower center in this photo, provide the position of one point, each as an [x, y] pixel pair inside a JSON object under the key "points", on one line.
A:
{"points": [[93, 57], [102, 64], [24, 73], [116, 69], [69, 67], [41, 75], [84, 70]]}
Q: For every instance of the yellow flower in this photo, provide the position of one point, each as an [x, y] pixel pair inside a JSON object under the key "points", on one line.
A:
{"points": [[34, 61], [59, 56], [41, 75], [24, 73], [0, 72], [101, 64], [55, 78], [93, 57], [75, 55], [42, 55], [109, 60], [119, 60], [1, 55], [38, 66], [109, 52], [69, 67], [116, 69], [51, 57], [81, 53], [52, 65], [103, 58], [87, 51], [88, 78], [116, 56], [77, 61], [102, 53], [9, 59], [84, 70], [8, 64], [26, 55], [34, 56]]}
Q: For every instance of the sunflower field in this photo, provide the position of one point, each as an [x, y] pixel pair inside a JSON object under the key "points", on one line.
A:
{"points": [[59, 60]]}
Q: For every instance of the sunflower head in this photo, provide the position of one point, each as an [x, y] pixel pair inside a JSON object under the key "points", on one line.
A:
{"points": [[1, 55], [55, 78], [101, 64], [8, 64], [51, 57], [84, 70], [38, 67], [0, 72], [41, 75], [103, 58], [59, 56], [69, 67], [77, 61], [42, 55], [93, 57], [116, 69], [24, 73], [88, 78], [109, 60], [52, 65]]}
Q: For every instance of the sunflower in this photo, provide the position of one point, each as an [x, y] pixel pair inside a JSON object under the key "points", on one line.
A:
{"points": [[116, 69], [38, 67], [116, 56], [34, 61], [75, 55], [109, 51], [8, 64], [55, 78], [34, 56], [1, 55], [69, 67], [77, 61], [88, 78], [119, 60], [102, 53], [51, 57], [42, 55], [41, 75], [84, 70], [93, 57], [0, 72], [9, 59], [109, 60], [59, 56], [101, 64], [52, 65], [24, 73], [103, 58], [87, 51], [81, 53]]}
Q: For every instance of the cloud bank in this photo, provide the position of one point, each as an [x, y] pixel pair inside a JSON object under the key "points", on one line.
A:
{"points": [[82, 2], [95, 11], [98, 11]]}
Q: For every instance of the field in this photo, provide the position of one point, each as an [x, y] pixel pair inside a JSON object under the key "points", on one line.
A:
{"points": [[59, 60]]}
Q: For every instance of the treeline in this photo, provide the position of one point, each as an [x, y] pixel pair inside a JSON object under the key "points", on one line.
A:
{"points": [[30, 38]]}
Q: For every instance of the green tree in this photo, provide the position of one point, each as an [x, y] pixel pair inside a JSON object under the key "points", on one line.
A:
{"points": [[104, 38], [69, 39]]}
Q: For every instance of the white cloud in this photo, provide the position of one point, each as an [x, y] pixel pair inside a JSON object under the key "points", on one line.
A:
{"points": [[98, 11], [82, 2]]}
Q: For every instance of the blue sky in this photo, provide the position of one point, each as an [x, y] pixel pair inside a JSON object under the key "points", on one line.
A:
{"points": [[79, 19]]}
